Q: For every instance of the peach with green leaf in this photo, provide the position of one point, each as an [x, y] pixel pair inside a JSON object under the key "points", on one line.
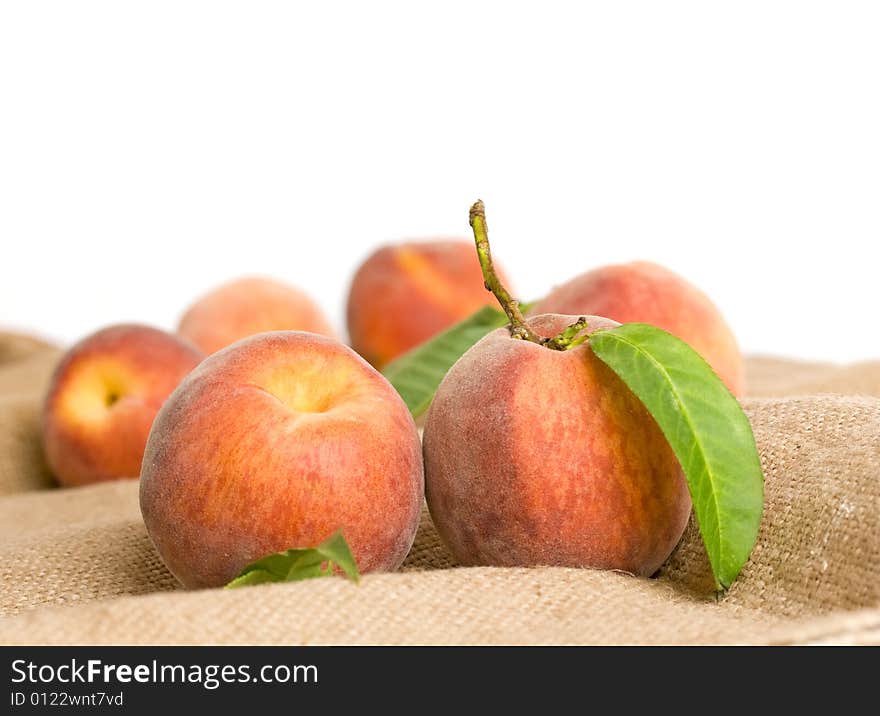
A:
{"points": [[276, 443], [541, 456], [577, 441]]}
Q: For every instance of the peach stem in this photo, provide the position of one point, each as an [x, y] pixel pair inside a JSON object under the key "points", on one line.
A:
{"points": [[518, 326]]}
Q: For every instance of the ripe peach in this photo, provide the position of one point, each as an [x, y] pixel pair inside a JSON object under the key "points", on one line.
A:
{"points": [[644, 292], [275, 443], [403, 295], [103, 397], [536, 456], [247, 306]]}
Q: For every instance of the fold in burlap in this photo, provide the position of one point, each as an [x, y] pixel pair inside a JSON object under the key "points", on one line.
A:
{"points": [[78, 566]]}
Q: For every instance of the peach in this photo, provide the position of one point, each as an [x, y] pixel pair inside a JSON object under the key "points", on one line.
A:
{"points": [[643, 292], [536, 456], [247, 306], [403, 295], [103, 397], [275, 443]]}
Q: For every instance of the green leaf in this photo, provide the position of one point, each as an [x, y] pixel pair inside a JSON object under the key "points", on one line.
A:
{"points": [[707, 430], [417, 373], [296, 564]]}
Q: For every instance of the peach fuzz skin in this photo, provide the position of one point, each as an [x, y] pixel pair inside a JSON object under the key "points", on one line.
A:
{"points": [[543, 457], [248, 306], [643, 292], [402, 295], [103, 397], [275, 443]]}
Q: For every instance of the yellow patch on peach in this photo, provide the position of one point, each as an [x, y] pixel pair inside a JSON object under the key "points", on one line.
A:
{"points": [[93, 388], [434, 285], [306, 387]]}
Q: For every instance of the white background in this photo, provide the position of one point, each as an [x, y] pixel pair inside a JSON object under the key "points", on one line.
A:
{"points": [[150, 150]]}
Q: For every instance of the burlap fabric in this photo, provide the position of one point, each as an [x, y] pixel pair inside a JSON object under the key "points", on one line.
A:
{"points": [[77, 566]]}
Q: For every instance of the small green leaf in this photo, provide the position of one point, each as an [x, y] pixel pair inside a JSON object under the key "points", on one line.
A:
{"points": [[707, 430], [417, 373], [296, 564]]}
